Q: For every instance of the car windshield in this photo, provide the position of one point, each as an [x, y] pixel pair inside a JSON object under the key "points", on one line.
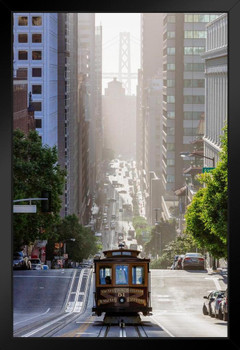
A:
{"points": [[194, 254]]}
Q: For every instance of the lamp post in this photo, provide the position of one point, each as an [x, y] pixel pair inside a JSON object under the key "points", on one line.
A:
{"points": [[189, 154], [158, 233]]}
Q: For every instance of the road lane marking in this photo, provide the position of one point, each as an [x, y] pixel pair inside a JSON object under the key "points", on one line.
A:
{"points": [[168, 332], [44, 326], [32, 317], [215, 280]]}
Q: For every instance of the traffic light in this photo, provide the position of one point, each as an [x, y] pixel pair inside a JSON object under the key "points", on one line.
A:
{"points": [[46, 206]]}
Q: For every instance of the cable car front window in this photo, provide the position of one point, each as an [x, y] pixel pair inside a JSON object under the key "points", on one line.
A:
{"points": [[105, 275], [137, 275], [121, 274]]}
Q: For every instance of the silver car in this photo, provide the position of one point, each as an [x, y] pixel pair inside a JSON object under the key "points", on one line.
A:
{"points": [[193, 261]]}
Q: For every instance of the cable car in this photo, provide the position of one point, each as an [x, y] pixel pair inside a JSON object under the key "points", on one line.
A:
{"points": [[122, 283]]}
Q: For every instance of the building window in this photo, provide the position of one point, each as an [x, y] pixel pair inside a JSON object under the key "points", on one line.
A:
{"points": [[194, 83], [37, 21], [194, 50], [170, 131], [194, 99], [171, 19], [190, 131], [22, 21], [170, 147], [170, 99], [36, 89], [36, 72], [22, 55], [22, 38], [170, 35], [170, 66], [38, 123], [170, 162], [37, 106], [194, 67], [195, 34], [170, 83], [171, 115], [170, 178], [171, 50], [37, 55], [192, 115], [37, 38]]}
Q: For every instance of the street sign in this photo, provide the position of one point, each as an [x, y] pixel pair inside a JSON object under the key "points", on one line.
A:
{"points": [[207, 169], [24, 208]]}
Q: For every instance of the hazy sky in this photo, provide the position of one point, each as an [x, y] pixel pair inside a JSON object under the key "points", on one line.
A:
{"points": [[112, 25]]}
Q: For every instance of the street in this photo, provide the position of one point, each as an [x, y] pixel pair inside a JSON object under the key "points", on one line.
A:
{"points": [[41, 309]]}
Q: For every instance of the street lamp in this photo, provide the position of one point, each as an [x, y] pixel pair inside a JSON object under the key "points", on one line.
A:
{"points": [[190, 154]]}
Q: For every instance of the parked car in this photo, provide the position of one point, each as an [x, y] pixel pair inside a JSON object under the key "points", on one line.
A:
{"points": [[21, 262], [36, 264], [223, 308], [193, 260], [212, 302]]}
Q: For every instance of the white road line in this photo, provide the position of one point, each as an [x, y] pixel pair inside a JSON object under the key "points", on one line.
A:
{"points": [[44, 326], [171, 335], [215, 280], [32, 317]]}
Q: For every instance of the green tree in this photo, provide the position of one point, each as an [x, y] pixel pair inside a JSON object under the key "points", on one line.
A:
{"points": [[206, 216], [160, 236], [35, 169], [140, 225], [80, 241]]}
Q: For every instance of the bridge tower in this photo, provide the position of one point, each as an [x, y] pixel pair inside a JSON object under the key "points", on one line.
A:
{"points": [[124, 73]]}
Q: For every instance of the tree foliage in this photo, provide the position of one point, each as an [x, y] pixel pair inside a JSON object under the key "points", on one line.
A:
{"points": [[206, 216], [35, 169], [160, 236], [80, 241]]}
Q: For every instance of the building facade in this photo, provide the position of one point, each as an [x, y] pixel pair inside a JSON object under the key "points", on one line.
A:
{"points": [[35, 46], [216, 60], [184, 41]]}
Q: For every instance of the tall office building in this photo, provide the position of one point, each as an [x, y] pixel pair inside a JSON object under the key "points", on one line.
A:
{"points": [[184, 41], [151, 62], [68, 118], [35, 50], [86, 65], [98, 101], [216, 68]]}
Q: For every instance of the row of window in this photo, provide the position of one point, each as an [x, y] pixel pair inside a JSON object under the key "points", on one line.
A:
{"points": [[194, 50], [195, 34], [121, 275], [199, 18], [23, 55], [24, 20], [188, 83], [23, 38], [194, 99]]}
